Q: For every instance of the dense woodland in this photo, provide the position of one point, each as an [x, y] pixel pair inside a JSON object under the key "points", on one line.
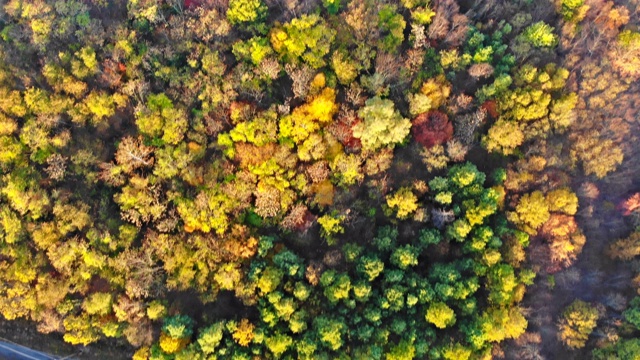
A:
{"points": [[323, 179]]}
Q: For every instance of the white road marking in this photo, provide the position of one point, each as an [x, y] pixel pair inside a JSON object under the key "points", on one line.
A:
{"points": [[18, 352]]}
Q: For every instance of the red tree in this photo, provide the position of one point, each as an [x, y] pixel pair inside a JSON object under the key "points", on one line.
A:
{"points": [[432, 128]]}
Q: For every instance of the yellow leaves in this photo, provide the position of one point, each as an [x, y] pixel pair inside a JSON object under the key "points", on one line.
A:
{"points": [[331, 225], [404, 202], [243, 334], [171, 345], [437, 89], [347, 167], [228, 276], [562, 200], [531, 212], [100, 104], [277, 38], [503, 137], [97, 304], [11, 102], [310, 117], [208, 212], [141, 354], [11, 230], [323, 107], [576, 324], [345, 68], [156, 310], [599, 156], [10, 149]]}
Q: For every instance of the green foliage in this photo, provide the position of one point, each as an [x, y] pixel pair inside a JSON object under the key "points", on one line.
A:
{"points": [[178, 326], [370, 266], [253, 50], [540, 34], [627, 349], [405, 257], [209, 338], [332, 6], [392, 25], [632, 313], [330, 332]]}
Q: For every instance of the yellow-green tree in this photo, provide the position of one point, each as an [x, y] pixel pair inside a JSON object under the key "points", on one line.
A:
{"points": [[576, 324]]}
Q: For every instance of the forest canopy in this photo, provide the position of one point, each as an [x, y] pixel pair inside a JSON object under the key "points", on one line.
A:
{"points": [[302, 179]]}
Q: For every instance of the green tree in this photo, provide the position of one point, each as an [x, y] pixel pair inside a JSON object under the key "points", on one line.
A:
{"points": [[627, 349], [209, 338], [278, 344], [540, 34], [632, 313], [330, 331], [370, 266], [405, 257], [392, 25]]}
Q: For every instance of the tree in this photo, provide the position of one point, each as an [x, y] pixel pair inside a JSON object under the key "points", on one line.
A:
{"points": [[503, 137], [440, 315], [382, 125], [392, 25], [562, 200], [404, 257], [531, 212], [403, 202], [632, 313], [599, 156], [540, 34], [432, 128], [133, 154], [499, 324], [576, 324], [278, 344], [98, 304], [307, 38], [625, 249], [625, 54], [627, 349], [331, 225], [370, 266], [330, 331], [245, 11]]}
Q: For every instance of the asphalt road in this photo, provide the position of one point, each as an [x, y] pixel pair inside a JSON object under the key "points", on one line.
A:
{"points": [[10, 351]]}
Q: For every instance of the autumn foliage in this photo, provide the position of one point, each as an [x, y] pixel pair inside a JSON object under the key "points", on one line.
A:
{"points": [[432, 128]]}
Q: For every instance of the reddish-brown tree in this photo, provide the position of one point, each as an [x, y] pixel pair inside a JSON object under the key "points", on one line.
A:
{"points": [[432, 128]]}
